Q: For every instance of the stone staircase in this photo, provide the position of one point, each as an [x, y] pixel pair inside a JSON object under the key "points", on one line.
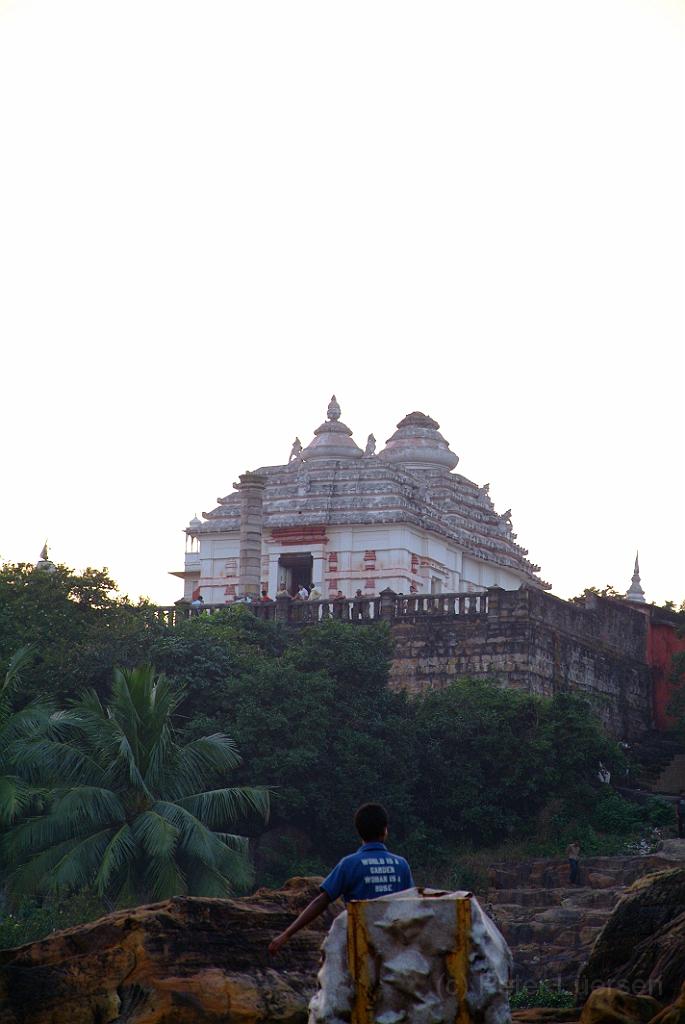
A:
{"points": [[550, 926]]}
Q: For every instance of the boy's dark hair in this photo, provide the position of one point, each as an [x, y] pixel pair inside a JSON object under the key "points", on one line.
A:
{"points": [[371, 821]]}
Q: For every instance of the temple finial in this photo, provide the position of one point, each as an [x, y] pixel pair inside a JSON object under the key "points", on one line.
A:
{"points": [[44, 562], [333, 409], [635, 592]]}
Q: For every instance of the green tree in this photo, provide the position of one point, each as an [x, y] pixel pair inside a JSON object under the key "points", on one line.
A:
{"points": [[206, 652], [129, 812], [16, 726], [321, 724], [488, 758], [607, 591], [77, 624]]}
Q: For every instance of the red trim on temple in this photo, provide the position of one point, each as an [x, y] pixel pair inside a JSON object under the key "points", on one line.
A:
{"points": [[299, 535]]}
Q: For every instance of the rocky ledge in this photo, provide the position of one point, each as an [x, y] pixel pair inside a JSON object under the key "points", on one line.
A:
{"points": [[641, 948], [186, 960], [551, 926], [205, 961]]}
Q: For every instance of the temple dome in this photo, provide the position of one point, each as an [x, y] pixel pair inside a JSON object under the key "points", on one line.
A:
{"points": [[333, 439], [417, 444]]}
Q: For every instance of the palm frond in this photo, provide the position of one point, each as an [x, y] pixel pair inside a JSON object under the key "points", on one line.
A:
{"points": [[202, 759], [164, 878], [241, 844], [38, 834], [218, 808], [123, 704], [160, 760], [78, 867], [34, 715], [236, 867], [116, 858], [43, 759], [19, 660], [30, 721], [194, 839], [206, 881], [32, 876], [127, 756], [198, 847], [89, 805], [156, 834], [15, 796]]}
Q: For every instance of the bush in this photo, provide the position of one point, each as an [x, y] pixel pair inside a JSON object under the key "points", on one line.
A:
{"points": [[525, 997], [33, 919], [490, 759]]}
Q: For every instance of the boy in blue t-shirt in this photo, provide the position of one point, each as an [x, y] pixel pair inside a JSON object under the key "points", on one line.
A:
{"points": [[370, 872]]}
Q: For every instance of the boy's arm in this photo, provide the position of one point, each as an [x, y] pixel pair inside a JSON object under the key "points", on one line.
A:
{"points": [[310, 912]]}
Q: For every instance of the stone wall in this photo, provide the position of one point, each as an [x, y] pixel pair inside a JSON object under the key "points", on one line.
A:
{"points": [[538, 643]]}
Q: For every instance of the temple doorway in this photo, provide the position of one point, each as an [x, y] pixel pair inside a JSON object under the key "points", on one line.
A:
{"points": [[294, 571]]}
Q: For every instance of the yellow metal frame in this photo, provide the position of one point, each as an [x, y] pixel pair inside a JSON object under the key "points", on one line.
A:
{"points": [[359, 954], [457, 962]]}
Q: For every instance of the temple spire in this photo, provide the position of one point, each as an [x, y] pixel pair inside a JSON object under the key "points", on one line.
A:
{"points": [[44, 562], [635, 592]]}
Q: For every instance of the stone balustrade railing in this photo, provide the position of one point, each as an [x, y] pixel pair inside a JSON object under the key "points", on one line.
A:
{"points": [[387, 606]]}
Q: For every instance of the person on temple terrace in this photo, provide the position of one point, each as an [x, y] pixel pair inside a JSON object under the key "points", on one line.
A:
{"points": [[370, 872], [573, 854]]}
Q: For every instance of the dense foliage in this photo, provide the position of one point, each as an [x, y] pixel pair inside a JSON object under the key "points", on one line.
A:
{"points": [[467, 767], [16, 795], [78, 626], [524, 997], [126, 808]]}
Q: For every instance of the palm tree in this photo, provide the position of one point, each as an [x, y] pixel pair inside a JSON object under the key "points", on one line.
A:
{"points": [[129, 814], [16, 795]]}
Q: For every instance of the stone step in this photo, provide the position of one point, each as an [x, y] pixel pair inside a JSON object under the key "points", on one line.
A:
{"points": [[604, 898], [558, 965], [550, 925], [569, 935], [572, 896], [595, 872], [528, 897]]}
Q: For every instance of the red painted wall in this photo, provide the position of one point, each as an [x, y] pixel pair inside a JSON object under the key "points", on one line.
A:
{"points": [[662, 643]]}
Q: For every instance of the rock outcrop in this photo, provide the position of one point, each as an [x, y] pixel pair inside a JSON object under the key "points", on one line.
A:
{"points": [[550, 925], [642, 946], [186, 961], [612, 1006]]}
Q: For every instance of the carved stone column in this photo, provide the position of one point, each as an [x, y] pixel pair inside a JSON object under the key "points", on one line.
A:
{"points": [[251, 489]]}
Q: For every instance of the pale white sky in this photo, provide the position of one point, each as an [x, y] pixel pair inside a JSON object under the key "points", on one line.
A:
{"points": [[214, 214]]}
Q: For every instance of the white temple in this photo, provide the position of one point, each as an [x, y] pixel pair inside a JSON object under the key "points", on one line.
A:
{"points": [[347, 520]]}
